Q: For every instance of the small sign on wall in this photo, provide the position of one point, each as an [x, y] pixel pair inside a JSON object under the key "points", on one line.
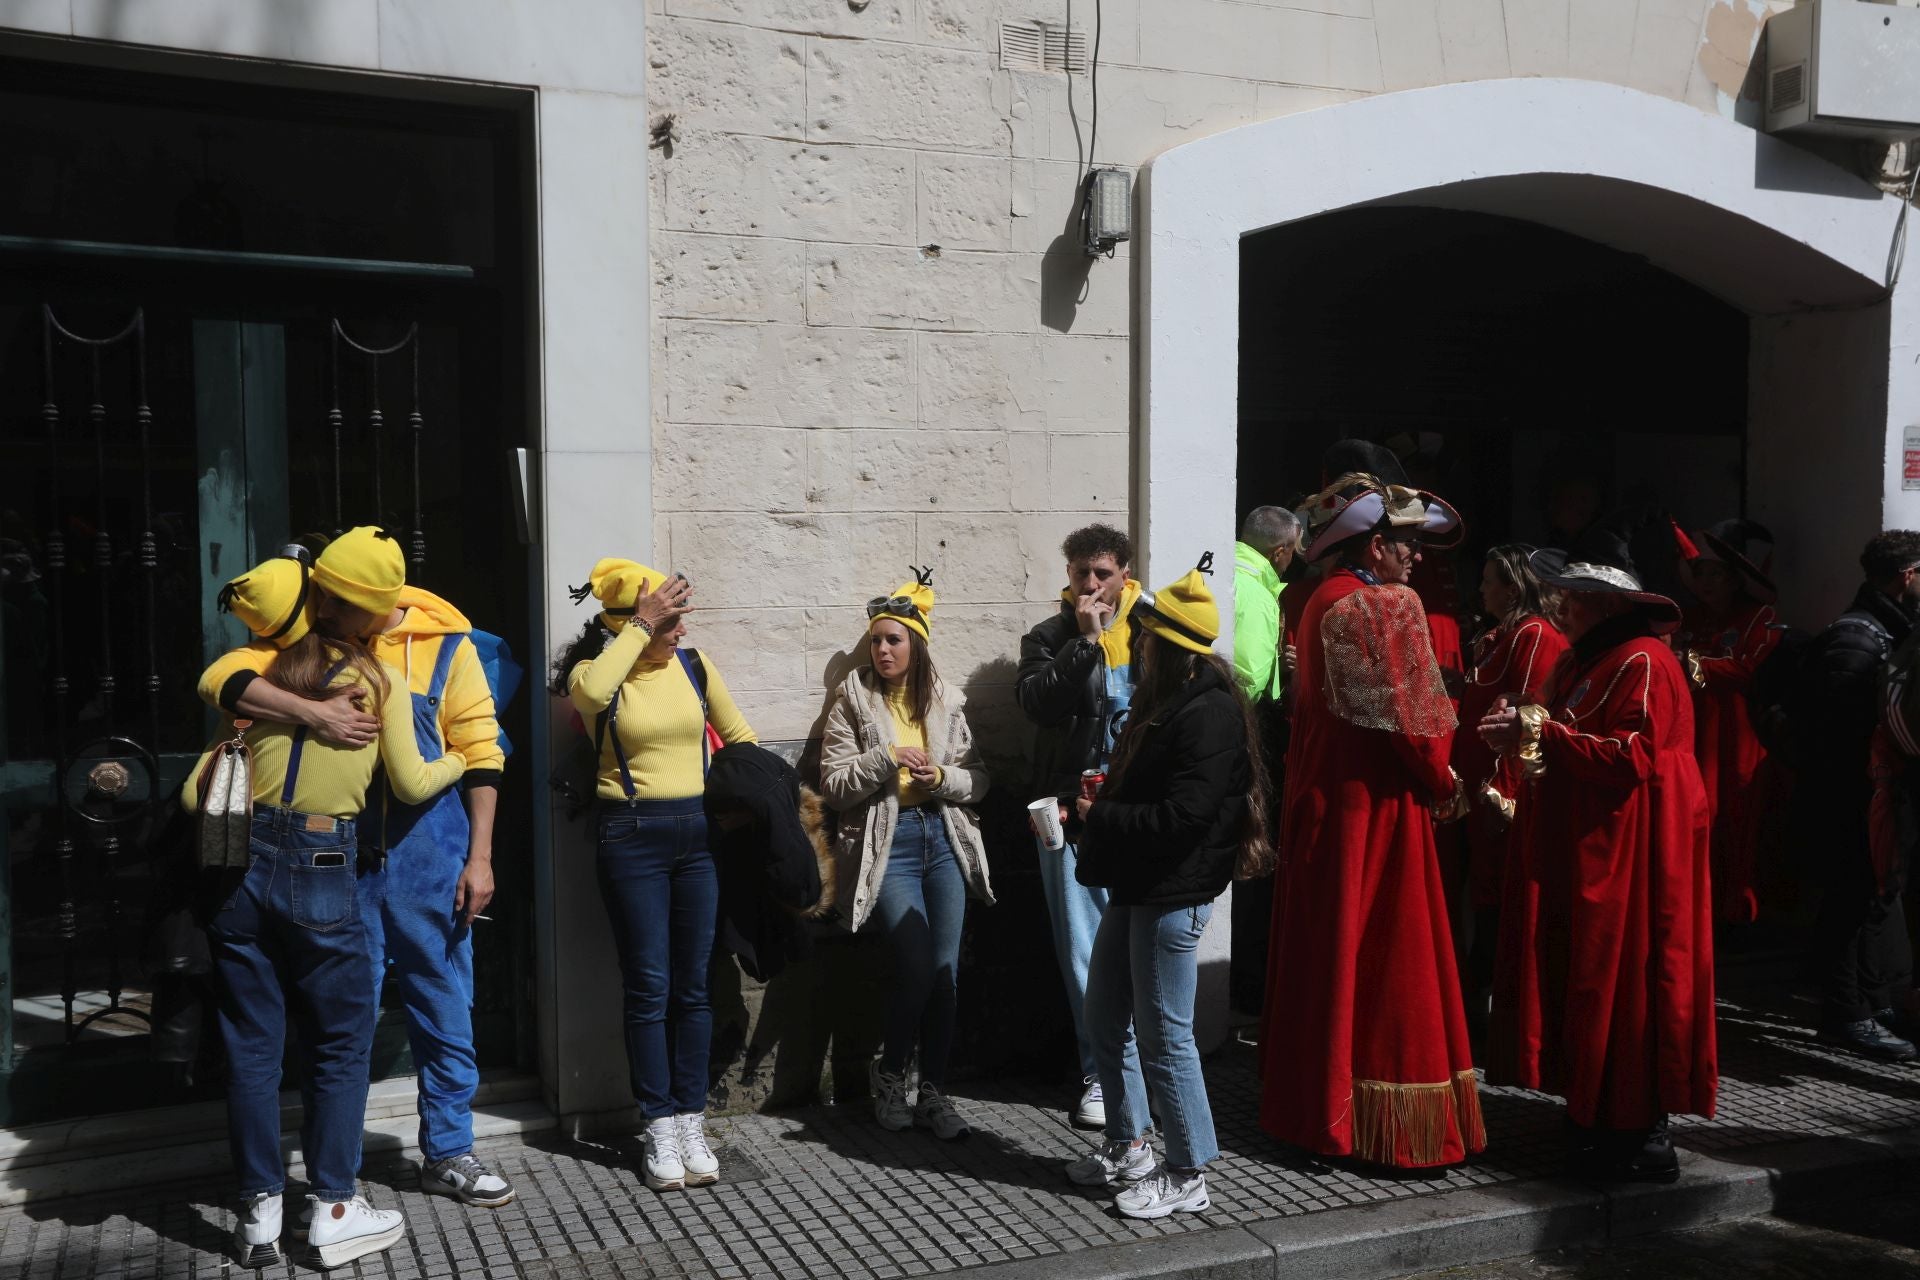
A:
{"points": [[1910, 459]]}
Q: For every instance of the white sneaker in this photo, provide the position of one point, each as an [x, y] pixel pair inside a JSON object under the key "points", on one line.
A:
{"points": [[1118, 1164], [935, 1111], [256, 1236], [890, 1106], [347, 1229], [1092, 1111], [1164, 1192], [664, 1171], [465, 1179], [696, 1157]]}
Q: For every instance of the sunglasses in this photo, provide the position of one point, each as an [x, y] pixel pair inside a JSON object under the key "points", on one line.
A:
{"points": [[893, 607]]}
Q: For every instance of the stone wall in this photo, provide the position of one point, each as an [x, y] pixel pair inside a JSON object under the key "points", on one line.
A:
{"points": [[875, 340]]}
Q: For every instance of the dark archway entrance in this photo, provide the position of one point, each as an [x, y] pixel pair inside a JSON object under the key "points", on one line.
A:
{"points": [[1509, 356]]}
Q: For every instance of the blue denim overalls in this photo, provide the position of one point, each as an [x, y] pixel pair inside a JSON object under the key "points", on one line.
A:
{"points": [[406, 898]]}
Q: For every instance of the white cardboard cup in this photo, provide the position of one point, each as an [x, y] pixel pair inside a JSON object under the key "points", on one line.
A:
{"points": [[1044, 817]]}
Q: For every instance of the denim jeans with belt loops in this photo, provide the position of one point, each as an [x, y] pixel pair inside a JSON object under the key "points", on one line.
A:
{"points": [[920, 908], [1144, 970], [293, 923], [662, 896]]}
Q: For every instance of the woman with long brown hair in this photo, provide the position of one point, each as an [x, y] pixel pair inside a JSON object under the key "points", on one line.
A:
{"points": [[1181, 813], [291, 922], [897, 761]]}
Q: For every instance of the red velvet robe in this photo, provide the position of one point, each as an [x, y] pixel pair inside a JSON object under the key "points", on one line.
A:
{"points": [[1364, 1042], [1604, 991], [1732, 761], [1512, 662]]}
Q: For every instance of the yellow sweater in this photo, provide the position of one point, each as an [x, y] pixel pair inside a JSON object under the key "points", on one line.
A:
{"points": [[333, 781], [908, 732], [658, 721], [467, 722]]}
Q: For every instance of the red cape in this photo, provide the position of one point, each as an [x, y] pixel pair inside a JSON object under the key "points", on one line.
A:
{"points": [[1604, 991], [1511, 662], [1741, 790], [1364, 1042]]}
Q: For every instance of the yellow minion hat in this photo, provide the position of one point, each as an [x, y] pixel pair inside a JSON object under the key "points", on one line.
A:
{"points": [[365, 567], [616, 584], [910, 605], [1184, 613], [271, 600]]}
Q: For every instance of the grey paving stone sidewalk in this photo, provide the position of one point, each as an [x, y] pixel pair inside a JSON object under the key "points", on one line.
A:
{"points": [[824, 1192]]}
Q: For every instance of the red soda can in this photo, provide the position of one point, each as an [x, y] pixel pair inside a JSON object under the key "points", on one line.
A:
{"points": [[1090, 780]]}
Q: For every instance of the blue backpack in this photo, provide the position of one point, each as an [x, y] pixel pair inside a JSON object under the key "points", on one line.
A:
{"points": [[503, 672]]}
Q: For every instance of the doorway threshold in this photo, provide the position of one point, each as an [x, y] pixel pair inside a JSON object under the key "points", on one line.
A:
{"points": [[125, 1149]]}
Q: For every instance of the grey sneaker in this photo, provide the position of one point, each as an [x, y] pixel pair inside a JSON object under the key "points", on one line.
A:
{"points": [[465, 1179], [1118, 1164], [935, 1111], [890, 1106], [1092, 1111], [1164, 1192]]}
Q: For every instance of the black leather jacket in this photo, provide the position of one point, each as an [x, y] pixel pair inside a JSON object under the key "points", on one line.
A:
{"points": [[1062, 688]]}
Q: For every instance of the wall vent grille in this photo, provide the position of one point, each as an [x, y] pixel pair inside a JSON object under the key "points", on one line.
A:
{"points": [[1787, 87], [1034, 45]]}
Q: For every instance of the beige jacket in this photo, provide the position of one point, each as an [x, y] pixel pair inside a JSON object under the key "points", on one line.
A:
{"points": [[860, 778]]}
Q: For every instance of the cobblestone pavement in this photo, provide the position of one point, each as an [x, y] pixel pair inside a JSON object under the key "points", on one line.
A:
{"points": [[822, 1191], [1878, 1239]]}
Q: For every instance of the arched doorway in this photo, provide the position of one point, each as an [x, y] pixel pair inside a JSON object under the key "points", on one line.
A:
{"points": [[1532, 377], [1792, 245]]}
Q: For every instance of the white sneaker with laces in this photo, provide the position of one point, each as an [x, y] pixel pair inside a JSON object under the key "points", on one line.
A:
{"points": [[256, 1236], [696, 1157], [1163, 1192], [465, 1179], [1092, 1111], [890, 1106], [1118, 1164], [664, 1170], [935, 1111], [347, 1229]]}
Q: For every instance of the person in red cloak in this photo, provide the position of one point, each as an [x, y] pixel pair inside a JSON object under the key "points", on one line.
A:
{"points": [[1511, 659], [1364, 1039], [1604, 988], [1728, 637]]}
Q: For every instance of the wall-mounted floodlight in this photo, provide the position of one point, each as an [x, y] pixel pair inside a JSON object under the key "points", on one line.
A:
{"points": [[1106, 211]]}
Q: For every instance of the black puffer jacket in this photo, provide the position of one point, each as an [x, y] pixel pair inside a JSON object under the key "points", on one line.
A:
{"points": [[1836, 713], [769, 842], [1062, 688], [1167, 832]]}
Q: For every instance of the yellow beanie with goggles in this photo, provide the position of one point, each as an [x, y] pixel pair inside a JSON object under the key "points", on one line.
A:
{"points": [[364, 567], [1184, 613], [270, 599], [910, 605], [616, 584]]}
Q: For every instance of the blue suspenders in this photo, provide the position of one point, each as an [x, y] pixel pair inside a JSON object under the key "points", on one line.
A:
{"points": [[300, 741], [613, 708]]}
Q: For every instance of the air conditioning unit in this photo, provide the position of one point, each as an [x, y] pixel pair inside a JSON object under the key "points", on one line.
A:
{"points": [[1844, 68]]}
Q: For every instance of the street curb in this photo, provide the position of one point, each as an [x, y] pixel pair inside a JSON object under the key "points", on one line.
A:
{"points": [[1486, 1224]]}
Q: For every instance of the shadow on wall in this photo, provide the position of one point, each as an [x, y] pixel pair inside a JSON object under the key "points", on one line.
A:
{"points": [[807, 1036]]}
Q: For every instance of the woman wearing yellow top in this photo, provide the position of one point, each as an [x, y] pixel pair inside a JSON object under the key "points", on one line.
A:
{"points": [[649, 703], [897, 759], [292, 922]]}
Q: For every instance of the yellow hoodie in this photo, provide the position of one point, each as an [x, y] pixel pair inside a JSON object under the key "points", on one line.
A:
{"points": [[467, 721]]}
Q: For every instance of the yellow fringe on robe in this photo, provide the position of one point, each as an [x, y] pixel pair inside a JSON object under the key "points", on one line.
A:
{"points": [[1387, 1115]]}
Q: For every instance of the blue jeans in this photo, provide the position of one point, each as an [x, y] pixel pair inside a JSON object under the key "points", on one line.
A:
{"points": [[663, 900], [293, 924], [920, 908], [413, 934], [1144, 970], [1075, 911]]}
